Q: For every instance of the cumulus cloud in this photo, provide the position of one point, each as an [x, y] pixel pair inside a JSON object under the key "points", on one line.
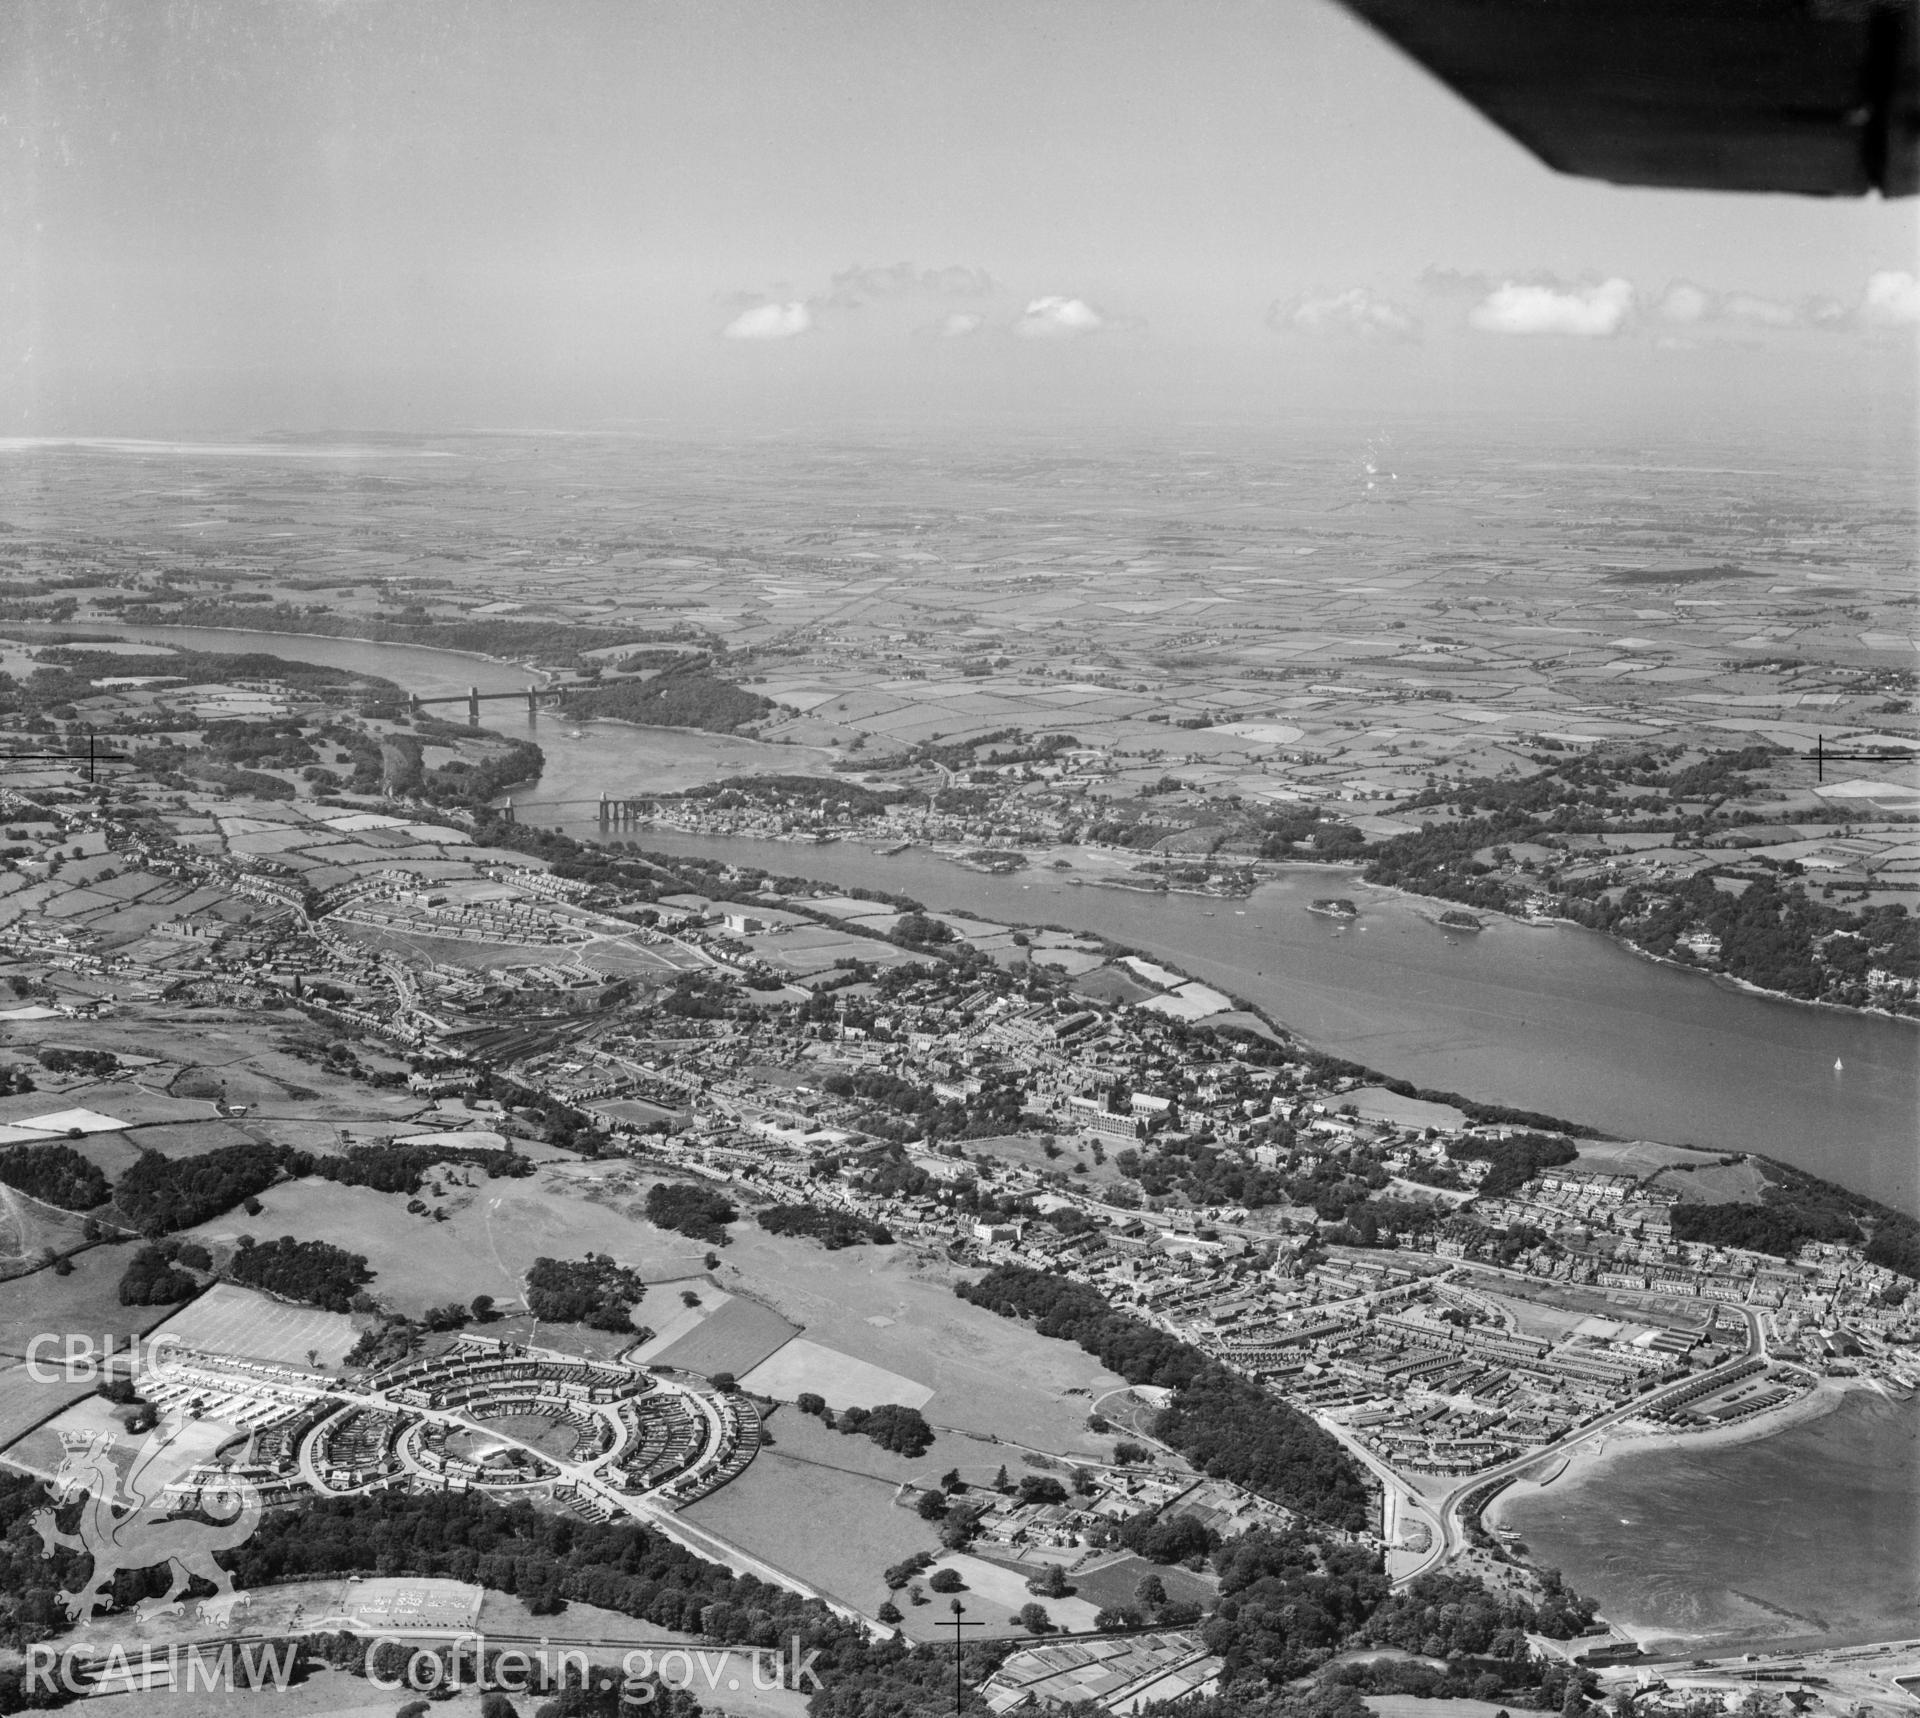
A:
{"points": [[770, 322], [1691, 306], [1357, 311], [1588, 312], [1057, 318], [1686, 304], [852, 286], [1892, 300], [957, 325]]}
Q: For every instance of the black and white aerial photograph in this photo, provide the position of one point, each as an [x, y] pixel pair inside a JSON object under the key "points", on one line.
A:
{"points": [[1030, 860]]}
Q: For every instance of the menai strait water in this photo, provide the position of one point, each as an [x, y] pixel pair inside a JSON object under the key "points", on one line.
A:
{"points": [[1549, 1018]]}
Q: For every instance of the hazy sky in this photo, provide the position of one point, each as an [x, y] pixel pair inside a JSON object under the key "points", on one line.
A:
{"points": [[224, 215]]}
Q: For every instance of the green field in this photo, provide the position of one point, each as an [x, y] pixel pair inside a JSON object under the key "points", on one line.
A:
{"points": [[738, 1336], [836, 1529], [229, 1319]]}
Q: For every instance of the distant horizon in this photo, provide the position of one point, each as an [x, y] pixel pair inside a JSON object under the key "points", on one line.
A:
{"points": [[238, 218]]}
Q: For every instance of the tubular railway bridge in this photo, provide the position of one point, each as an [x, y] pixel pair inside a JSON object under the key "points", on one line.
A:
{"points": [[473, 698]]}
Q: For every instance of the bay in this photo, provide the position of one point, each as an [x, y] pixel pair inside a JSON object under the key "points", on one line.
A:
{"points": [[1808, 1536]]}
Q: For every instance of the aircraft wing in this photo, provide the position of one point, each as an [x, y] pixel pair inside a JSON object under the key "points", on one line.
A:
{"points": [[1820, 97]]}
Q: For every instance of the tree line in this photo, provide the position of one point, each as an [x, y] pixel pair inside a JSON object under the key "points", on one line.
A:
{"points": [[1227, 1426]]}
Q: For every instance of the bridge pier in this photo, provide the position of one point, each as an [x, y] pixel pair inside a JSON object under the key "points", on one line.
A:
{"points": [[413, 702], [533, 702], [508, 808], [473, 706]]}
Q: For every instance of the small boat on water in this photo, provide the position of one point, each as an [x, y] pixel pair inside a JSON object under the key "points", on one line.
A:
{"points": [[1839, 1067]]}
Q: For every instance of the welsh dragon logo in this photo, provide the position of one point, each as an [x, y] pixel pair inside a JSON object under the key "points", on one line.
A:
{"points": [[121, 1526]]}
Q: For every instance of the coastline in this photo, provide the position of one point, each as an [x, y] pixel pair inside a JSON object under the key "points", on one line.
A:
{"points": [[1742, 984], [1589, 1459]]}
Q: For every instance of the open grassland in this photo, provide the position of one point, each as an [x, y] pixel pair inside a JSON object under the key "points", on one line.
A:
{"points": [[493, 1232], [841, 1380], [989, 1375], [1710, 1182], [1639, 1156]]}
